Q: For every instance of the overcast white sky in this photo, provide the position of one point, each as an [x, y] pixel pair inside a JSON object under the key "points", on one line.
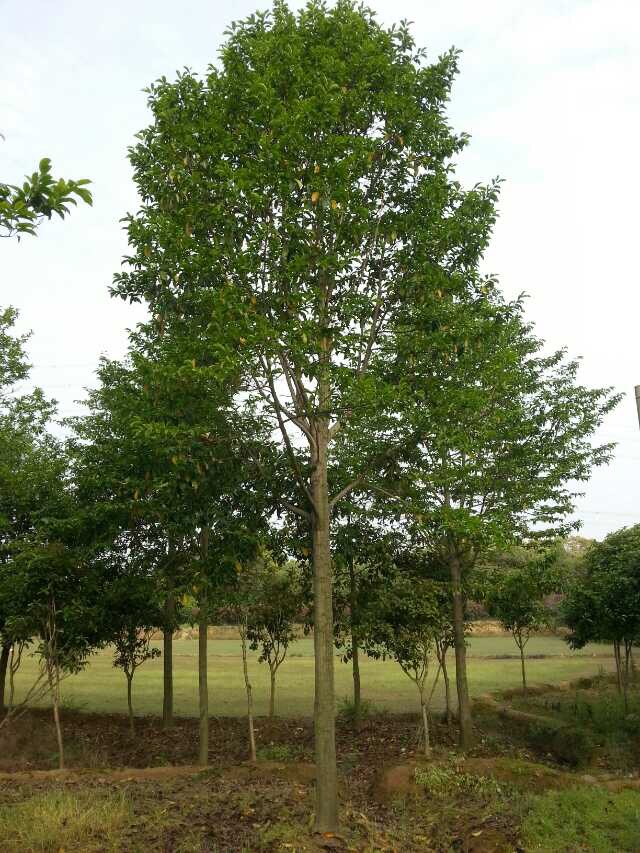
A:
{"points": [[548, 89]]}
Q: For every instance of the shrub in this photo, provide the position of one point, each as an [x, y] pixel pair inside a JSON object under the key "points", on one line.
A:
{"points": [[573, 745]]}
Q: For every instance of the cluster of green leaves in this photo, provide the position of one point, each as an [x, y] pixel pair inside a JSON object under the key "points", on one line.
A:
{"points": [[23, 207]]}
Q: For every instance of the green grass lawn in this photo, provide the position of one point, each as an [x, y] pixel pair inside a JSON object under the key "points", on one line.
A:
{"points": [[101, 687]]}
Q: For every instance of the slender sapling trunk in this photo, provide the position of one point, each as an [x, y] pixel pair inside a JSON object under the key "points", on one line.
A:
{"points": [[447, 686], [425, 725], [616, 655], [355, 649], [4, 664], [132, 726], [272, 690], [247, 684], [53, 674], [521, 644]]}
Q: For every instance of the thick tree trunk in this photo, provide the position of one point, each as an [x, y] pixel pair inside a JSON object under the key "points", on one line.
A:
{"points": [[272, 692], [248, 688], [326, 819], [167, 662], [4, 664], [203, 686], [355, 649], [464, 703], [132, 725]]}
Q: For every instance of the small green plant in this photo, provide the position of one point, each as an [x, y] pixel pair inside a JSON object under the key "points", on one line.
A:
{"points": [[583, 819], [441, 782], [278, 752], [70, 704], [59, 819], [280, 836], [347, 709]]}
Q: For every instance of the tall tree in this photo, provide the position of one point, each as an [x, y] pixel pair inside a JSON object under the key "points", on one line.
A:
{"points": [[306, 183]]}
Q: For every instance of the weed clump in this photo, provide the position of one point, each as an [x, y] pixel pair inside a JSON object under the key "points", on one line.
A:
{"points": [[440, 782], [58, 819]]}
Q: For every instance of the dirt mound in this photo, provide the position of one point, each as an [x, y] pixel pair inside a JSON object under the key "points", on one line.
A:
{"points": [[395, 782]]}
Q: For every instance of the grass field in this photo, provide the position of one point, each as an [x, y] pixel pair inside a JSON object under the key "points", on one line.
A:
{"points": [[102, 688]]}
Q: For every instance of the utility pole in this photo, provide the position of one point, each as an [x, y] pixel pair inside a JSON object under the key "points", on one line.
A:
{"points": [[638, 401]]}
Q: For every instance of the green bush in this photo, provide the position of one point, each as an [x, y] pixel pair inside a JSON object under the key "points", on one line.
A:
{"points": [[573, 745]]}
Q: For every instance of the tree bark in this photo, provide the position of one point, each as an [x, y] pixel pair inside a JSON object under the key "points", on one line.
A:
{"points": [[132, 726], [447, 687], [326, 819], [627, 652], [167, 662], [524, 674], [54, 687], [355, 649], [616, 655], [464, 703], [425, 726], [272, 692], [4, 663], [247, 684], [203, 687]]}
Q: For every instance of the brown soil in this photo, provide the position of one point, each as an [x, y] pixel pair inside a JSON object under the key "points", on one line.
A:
{"points": [[237, 807]]}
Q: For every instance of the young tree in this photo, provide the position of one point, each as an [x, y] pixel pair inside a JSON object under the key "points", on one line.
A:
{"points": [[131, 615], [271, 625], [515, 596], [132, 648], [58, 597], [364, 547], [307, 183], [404, 624]]}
